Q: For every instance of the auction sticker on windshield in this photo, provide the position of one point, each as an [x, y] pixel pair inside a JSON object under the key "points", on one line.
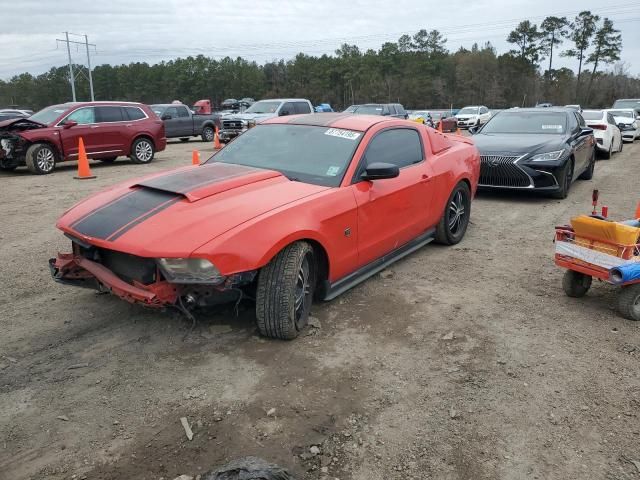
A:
{"points": [[552, 127], [338, 132]]}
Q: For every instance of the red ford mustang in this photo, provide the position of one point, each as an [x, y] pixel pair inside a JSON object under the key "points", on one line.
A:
{"points": [[294, 208]]}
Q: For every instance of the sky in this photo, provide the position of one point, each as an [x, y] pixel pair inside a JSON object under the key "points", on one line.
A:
{"points": [[127, 31]]}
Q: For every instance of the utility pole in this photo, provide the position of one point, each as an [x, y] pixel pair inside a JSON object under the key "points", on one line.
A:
{"points": [[73, 78], [86, 44], [71, 72]]}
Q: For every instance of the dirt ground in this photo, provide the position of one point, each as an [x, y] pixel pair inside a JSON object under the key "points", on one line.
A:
{"points": [[466, 362]]}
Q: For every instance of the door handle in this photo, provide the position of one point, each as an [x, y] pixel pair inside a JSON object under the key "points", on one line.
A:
{"points": [[425, 178], [94, 126]]}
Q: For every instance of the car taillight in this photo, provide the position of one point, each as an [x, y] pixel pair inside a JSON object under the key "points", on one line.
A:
{"points": [[598, 127]]}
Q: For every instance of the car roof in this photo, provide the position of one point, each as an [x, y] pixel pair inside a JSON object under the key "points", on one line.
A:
{"points": [[541, 110], [99, 102], [283, 100], [334, 120]]}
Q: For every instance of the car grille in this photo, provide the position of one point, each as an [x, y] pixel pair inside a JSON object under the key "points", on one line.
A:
{"points": [[501, 171], [232, 124], [129, 268], [463, 119]]}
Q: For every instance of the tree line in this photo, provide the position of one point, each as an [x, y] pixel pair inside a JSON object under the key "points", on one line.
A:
{"points": [[417, 71]]}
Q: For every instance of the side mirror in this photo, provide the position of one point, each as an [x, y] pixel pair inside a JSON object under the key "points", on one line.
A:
{"points": [[69, 124], [586, 131], [166, 116], [284, 113], [473, 130], [380, 171]]}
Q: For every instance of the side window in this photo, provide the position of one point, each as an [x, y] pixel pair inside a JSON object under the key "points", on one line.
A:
{"points": [[288, 109], [573, 123], [302, 107], [483, 110], [83, 116], [400, 109], [392, 109], [182, 112], [581, 121], [134, 113], [400, 146], [172, 111], [610, 119], [108, 114]]}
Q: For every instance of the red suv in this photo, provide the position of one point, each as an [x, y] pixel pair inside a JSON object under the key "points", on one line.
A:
{"points": [[108, 130]]}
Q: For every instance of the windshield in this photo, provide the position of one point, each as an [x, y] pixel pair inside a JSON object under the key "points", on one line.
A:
{"points": [[158, 109], [316, 155], [627, 104], [263, 107], [592, 115], [352, 109], [615, 113], [369, 110], [469, 111], [527, 122], [49, 114]]}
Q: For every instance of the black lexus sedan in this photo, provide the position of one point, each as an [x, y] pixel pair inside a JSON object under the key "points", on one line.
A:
{"points": [[535, 149]]}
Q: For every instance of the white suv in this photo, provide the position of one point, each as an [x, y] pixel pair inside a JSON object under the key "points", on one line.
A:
{"points": [[473, 116]]}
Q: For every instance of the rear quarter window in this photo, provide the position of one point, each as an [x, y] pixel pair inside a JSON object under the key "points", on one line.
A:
{"points": [[134, 113], [302, 107], [109, 114]]}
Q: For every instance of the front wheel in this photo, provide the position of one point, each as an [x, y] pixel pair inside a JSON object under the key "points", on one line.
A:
{"points": [[455, 219], [285, 292], [588, 173], [40, 158], [565, 181], [208, 134], [142, 150], [629, 302]]}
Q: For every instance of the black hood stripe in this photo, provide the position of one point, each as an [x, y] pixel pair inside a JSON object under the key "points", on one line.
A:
{"points": [[143, 218], [109, 220], [92, 212], [187, 181]]}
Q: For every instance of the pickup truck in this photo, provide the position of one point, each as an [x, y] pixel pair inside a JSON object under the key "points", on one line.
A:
{"points": [[180, 122], [234, 125]]}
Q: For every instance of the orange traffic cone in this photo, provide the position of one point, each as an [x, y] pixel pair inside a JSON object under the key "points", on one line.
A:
{"points": [[216, 140], [84, 172], [638, 211], [458, 132], [195, 157], [440, 127]]}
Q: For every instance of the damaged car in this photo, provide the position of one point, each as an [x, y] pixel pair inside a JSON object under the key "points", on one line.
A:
{"points": [[108, 130], [294, 209]]}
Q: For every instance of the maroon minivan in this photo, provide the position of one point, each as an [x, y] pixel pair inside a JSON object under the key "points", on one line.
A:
{"points": [[108, 130]]}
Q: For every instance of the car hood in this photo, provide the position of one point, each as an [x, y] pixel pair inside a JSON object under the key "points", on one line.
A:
{"points": [[625, 120], [174, 213], [491, 143], [11, 124], [258, 117], [467, 115]]}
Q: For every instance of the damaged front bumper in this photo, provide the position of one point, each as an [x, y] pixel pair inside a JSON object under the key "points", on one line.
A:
{"points": [[77, 270]]}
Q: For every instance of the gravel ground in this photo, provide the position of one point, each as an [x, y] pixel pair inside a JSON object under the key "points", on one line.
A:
{"points": [[466, 362]]}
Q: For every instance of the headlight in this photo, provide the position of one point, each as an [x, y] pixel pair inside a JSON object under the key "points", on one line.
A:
{"points": [[251, 123], [634, 125], [546, 157], [190, 270]]}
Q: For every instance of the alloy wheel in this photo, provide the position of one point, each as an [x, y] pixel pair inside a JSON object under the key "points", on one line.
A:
{"points": [[144, 151], [302, 293], [45, 159], [456, 213]]}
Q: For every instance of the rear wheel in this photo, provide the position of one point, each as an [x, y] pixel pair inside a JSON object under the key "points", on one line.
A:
{"points": [[607, 155], [285, 292], [40, 158], [629, 302], [455, 219], [576, 284], [142, 150]]}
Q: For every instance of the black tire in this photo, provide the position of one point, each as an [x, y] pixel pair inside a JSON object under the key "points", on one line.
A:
{"points": [[41, 158], [208, 133], [608, 154], [285, 292], [621, 145], [629, 302], [455, 219], [588, 173], [184, 139], [576, 284], [142, 150], [108, 159], [567, 178]]}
